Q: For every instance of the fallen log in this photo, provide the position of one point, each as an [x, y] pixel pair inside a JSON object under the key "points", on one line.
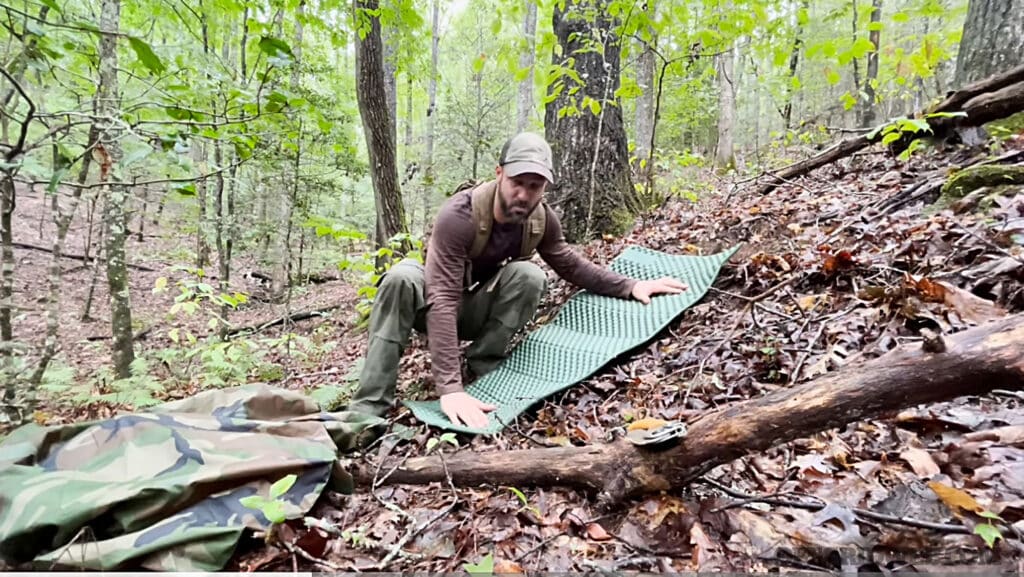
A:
{"points": [[82, 258], [300, 316], [992, 98], [971, 362]]}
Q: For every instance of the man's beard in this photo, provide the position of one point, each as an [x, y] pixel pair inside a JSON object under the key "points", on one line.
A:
{"points": [[516, 212]]}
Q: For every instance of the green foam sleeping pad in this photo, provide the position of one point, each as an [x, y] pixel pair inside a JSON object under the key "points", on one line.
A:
{"points": [[589, 331]]}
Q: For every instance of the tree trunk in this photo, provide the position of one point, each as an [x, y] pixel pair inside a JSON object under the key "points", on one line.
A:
{"points": [[378, 126], [202, 247], [725, 155], [62, 221], [867, 105], [524, 104], [973, 362], [991, 40], [223, 257], [114, 220], [7, 199], [645, 103], [794, 62], [428, 170], [593, 187], [390, 41]]}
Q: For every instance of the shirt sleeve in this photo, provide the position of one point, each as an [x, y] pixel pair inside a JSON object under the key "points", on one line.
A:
{"points": [[568, 264], [445, 270]]}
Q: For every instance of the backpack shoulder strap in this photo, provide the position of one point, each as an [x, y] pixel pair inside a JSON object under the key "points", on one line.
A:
{"points": [[483, 216], [533, 230]]}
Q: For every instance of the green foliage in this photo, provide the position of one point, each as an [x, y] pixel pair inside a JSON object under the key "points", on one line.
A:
{"points": [[449, 438], [273, 508], [485, 566]]}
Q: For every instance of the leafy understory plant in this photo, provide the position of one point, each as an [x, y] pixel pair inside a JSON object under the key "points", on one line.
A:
{"points": [[522, 499], [433, 442], [274, 507], [899, 127]]}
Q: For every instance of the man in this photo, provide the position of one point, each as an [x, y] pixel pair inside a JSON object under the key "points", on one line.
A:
{"points": [[485, 298]]}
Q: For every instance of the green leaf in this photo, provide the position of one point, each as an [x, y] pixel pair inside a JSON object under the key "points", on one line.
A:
{"points": [[861, 47], [431, 443], [848, 101], [990, 533], [253, 502], [833, 76], [282, 485], [890, 138], [990, 515], [485, 565], [186, 189], [900, 17], [478, 64], [450, 439], [519, 494], [276, 48], [875, 26], [146, 55], [52, 4], [160, 285], [274, 512], [173, 335], [595, 107]]}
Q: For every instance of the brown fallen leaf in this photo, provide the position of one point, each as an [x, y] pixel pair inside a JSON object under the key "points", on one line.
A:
{"points": [[704, 549], [597, 532], [969, 306], [921, 462], [645, 424], [1011, 435], [502, 566], [955, 499]]}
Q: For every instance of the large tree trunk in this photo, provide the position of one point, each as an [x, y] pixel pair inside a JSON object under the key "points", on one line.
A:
{"points": [[973, 362], [645, 102], [114, 221], [991, 40], [867, 108], [379, 127], [593, 188], [725, 155], [524, 104]]}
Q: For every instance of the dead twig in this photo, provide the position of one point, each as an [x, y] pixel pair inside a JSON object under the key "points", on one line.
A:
{"points": [[419, 528]]}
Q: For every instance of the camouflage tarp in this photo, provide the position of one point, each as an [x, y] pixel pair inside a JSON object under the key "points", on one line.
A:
{"points": [[160, 489]]}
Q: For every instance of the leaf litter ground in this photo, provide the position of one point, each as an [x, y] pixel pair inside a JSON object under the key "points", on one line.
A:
{"points": [[836, 268]]}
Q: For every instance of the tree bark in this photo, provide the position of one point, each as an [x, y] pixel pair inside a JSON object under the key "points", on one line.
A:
{"points": [[593, 187], [428, 169], [991, 40], [794, 62], [984, 101], [114, 222], [378, 126], [524, 104], [867, 108], [725, 154], [972, 362], [645, 103]]}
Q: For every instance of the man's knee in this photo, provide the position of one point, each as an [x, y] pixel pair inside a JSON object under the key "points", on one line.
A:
{"points": [[405, 277], [528, 278]]}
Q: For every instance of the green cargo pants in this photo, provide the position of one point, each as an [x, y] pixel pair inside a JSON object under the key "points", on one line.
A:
{"points": [[489, 317]]}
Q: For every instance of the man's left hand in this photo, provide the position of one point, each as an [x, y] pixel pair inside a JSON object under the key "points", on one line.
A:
{"points": [[643, 290]]}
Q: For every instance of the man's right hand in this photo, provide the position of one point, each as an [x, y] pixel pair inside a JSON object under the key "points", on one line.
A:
{"points": [[461, 408]]}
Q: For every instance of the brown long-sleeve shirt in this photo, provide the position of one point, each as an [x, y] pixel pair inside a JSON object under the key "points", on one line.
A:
{"points": [[451, 240]]}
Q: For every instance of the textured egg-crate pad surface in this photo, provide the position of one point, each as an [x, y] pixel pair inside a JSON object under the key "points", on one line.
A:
{"points": [[588, 332]]}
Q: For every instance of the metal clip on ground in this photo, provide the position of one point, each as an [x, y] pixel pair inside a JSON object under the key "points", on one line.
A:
{"points": [[668, 434]]}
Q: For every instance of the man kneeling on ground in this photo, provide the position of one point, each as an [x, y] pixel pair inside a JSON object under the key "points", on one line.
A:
{"points": [[478, 284]]}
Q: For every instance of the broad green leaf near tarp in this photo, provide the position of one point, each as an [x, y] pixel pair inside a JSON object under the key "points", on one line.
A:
{"points": [[162, 490]]}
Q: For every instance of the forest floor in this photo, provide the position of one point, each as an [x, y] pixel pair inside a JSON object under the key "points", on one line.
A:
{"points": [[868, 266]]}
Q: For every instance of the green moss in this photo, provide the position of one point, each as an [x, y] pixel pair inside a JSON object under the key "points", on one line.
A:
{"points": [[1005, 127], [970, 179]]}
